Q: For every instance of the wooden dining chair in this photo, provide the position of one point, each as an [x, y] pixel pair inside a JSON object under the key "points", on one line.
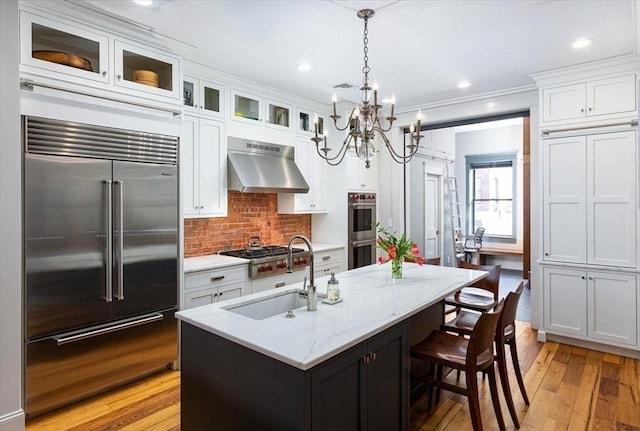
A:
{"points": [[469, 355], [432, 261], [464, 324], [482, 295]]}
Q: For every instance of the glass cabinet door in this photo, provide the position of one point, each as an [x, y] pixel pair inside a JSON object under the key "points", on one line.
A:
{"points": [[146, 70], [52, 45], [278, 115], [246, 107], [202, 97], [306, 122]]}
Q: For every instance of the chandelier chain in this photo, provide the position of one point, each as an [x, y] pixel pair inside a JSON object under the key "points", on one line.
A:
{"points": [[366, 68]]}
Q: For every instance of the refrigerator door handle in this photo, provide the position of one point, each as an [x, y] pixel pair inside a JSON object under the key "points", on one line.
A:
{"points": [[109, 236], [120, 238], [75, 336]]}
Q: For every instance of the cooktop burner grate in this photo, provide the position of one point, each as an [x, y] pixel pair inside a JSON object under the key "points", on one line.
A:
{"points": [[267, 251]]}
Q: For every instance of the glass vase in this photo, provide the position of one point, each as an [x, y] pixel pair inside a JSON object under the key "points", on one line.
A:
{"points": [[396, 268]]}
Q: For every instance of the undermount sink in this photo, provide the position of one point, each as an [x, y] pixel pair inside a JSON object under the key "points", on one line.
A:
{"points": [[269, 306]]}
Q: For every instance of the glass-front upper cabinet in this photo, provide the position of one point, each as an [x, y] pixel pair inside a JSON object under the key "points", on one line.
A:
{"points": [[146, 70], [202, 97], [246, 107], [56, 46], [306, 122], [278, 115]]}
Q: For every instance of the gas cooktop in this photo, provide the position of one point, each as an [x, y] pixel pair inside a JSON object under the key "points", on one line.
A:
{"points": [[257, 253]]}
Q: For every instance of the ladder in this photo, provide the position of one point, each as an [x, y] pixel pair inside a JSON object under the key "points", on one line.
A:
{"points": [[456, 222]]}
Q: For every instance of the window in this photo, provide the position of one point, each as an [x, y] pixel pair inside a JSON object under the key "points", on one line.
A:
{"points": [[491, 181]]}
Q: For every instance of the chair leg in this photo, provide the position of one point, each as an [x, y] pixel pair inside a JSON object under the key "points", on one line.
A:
{"points": [[474, 402], [516, 368], [494, 397], [439, 370], [504, 380], [431, 378]]}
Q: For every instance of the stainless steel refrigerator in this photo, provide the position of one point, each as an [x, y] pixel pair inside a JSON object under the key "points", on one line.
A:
{"points": [[101, 258]]}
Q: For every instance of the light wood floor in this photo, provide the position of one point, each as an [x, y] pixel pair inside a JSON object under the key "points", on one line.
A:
{"points": [[570, 388]]}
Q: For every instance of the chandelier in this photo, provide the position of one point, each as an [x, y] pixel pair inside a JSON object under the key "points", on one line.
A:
{"points": [[363, 122]]}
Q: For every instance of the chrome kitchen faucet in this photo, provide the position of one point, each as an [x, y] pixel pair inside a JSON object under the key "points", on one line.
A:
{"points": [[310, 292]]}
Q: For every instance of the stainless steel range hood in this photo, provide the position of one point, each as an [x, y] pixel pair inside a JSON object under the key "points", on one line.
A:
{"points": [[261, 167]]}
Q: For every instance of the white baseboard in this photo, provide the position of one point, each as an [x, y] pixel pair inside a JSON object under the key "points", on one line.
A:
{"points": [[620, 351], [13, 421]]}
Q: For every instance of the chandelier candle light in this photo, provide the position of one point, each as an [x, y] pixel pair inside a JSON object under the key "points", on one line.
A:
{"points": [[364, 123]]}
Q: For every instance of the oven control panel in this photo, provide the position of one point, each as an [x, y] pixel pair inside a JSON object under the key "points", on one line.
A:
{"points": [[362, 197]]}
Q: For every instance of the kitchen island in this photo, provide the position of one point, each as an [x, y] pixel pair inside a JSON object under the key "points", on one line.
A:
{"points": [[344, 366]]}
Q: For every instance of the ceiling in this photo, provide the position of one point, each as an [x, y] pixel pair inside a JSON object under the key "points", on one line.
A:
{"points": [[418, 50]]}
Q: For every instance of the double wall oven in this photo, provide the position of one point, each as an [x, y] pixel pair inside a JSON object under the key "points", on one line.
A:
{"points": [[361, 247]]}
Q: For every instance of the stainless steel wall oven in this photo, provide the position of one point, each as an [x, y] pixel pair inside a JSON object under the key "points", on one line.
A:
{"points": [[361, 219]]}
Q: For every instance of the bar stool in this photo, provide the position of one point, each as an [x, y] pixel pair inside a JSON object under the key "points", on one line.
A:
{"points": [[469, 355], [464, 324], [482, 295]]}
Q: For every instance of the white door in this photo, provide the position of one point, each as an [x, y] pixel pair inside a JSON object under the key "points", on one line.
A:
{"points": [[432, 202]]}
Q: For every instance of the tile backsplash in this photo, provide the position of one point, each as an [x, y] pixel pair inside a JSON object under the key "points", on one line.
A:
{"points": [[249, 214]]}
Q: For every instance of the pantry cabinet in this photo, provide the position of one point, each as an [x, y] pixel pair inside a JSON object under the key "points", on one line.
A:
{"points": [[596, 305], [313, 168], [590, 100], [78, 54], [590, 197], [207, 287], [203, 160], [202, 97]]}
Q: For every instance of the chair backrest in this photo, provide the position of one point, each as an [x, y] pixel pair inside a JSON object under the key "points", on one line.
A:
{"points": [[508, 316], [476, 241], [491, 282], [484, 333], [432, 260]]}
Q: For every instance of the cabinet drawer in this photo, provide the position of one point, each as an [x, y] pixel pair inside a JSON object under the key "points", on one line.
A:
{"points": [[329, 257], [215, 277]]}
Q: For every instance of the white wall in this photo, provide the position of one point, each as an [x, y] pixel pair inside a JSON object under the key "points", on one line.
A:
{"points": [[11, 413]]}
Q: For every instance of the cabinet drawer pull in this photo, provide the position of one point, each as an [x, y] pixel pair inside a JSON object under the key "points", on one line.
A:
{"points": [[104, 73], [281, 284], [326, 257], [217, 278]]}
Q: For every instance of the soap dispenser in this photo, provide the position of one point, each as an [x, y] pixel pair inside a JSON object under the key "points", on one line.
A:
{"points": [[333, 289]]}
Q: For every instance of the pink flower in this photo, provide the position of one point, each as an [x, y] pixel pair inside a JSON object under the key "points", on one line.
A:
{"points": [[415, 250], [381, 259], [392, 249], [419, 260], [392, 254]]}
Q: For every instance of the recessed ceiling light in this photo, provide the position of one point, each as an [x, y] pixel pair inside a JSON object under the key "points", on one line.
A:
{"points": [[303, 66], [464, 84], [581, 43], [144, 2]]}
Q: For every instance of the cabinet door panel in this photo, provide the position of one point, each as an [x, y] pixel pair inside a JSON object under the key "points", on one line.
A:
{"points": [[565, 301], [612, 95], [563, 103], [337, 396], [565, 222], [200, 297], [213, 173], [611, 199], [612, 307]]}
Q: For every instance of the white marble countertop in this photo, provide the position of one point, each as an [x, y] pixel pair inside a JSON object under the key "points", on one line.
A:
{"points": [[211, 261], [372, 302], [215, 261]]}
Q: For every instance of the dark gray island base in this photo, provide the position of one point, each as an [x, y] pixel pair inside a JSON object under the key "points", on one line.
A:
{"points": [[226, 386], [343, 367]]}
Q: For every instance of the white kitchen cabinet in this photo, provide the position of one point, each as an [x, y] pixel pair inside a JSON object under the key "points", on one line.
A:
{"points": [[313, 168], [203, 160], [594, 305], [203, 97], [327, 262], [246, 107], [279, 115], [437, 141], [360, 178], [589, 196], [590, 100], [131, 59], [209, 286], [77, 54], [306, 122]]}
